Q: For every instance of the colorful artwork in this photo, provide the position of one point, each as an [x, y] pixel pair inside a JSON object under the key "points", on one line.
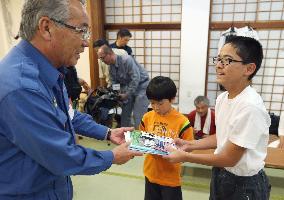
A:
{"points": [[147, 142]]}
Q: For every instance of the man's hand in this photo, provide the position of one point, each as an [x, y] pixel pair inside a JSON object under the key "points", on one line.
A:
{"points": [[84, 84], [175, 155], [123, 96], [117, 135], [122, 154]]}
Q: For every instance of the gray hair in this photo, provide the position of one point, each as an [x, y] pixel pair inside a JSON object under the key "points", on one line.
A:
{"points": [[106, 49], [200, 99], [33, 10]]}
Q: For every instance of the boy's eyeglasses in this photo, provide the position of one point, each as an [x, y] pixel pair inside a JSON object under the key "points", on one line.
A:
{"points": [[84, 31], [225, 61]]}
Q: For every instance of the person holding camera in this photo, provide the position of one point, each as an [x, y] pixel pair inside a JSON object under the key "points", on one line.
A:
{"points": [[128, 76]]}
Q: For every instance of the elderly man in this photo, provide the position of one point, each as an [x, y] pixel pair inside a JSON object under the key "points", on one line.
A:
{"points": [[132, 79], [104, 68], [203, 118], [37, 128]]}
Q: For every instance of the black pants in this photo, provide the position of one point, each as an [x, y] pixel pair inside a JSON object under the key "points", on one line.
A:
{"points": [[225, 185], [159, 192]]}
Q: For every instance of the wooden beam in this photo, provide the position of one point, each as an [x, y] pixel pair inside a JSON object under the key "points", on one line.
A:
{"points": [[144, 26], [96, 13], [254, 25], [208, 50]]}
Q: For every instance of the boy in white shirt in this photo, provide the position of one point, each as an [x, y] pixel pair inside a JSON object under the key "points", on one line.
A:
{"points": [[242, 128]]}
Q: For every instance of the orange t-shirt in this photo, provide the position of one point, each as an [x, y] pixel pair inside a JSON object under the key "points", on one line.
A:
{"points": [[173, 125]]}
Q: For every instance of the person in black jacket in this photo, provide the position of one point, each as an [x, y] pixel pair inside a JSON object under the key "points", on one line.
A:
{"points": [[74, 85], [123, 37]]}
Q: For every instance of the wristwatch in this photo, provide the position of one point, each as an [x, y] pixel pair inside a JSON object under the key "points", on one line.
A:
{"points": [[108, 134]]}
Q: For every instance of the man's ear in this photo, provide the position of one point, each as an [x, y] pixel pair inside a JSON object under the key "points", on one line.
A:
{"points": [[118, 38], [44, 26], [251, 67]]}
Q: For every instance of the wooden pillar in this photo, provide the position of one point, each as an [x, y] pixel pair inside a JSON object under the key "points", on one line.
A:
{"points": [[95, 10]]}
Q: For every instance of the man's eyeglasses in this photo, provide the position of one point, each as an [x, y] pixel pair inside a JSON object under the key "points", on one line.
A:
{"points": [[225, 61], [102, 58], [84, 31]]}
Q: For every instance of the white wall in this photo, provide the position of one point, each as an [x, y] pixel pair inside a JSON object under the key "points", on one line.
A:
{"points": [[194, 39], [83, 66], [10, 16]]}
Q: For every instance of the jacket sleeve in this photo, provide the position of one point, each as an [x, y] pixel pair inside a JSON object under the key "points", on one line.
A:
{"points": [[35, 128], [85, 125]]}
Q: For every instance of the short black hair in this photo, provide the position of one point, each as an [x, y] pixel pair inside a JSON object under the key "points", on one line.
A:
{"points": [[100, 42], [249, 49], [124, 32], [160, 88]]}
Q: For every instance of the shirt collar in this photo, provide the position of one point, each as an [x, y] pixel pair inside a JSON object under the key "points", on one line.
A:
{"points": [[47, 71], [63, 70]]}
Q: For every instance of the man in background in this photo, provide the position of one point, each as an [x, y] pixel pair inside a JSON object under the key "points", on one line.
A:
{"points": [[131, 79], [122, 39], [104, 68], [203, 118]]}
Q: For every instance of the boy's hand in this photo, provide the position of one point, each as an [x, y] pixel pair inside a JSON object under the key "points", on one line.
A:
{"points": [[175, 155], [184, 144]]}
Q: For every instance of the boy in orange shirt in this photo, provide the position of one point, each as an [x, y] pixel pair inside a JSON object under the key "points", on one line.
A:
{"points": [[162, 178]]}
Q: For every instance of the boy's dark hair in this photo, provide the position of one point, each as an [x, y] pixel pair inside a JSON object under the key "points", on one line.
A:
{"points": [[124, 32], [100, 42], [161, 88], [249, 49]]}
